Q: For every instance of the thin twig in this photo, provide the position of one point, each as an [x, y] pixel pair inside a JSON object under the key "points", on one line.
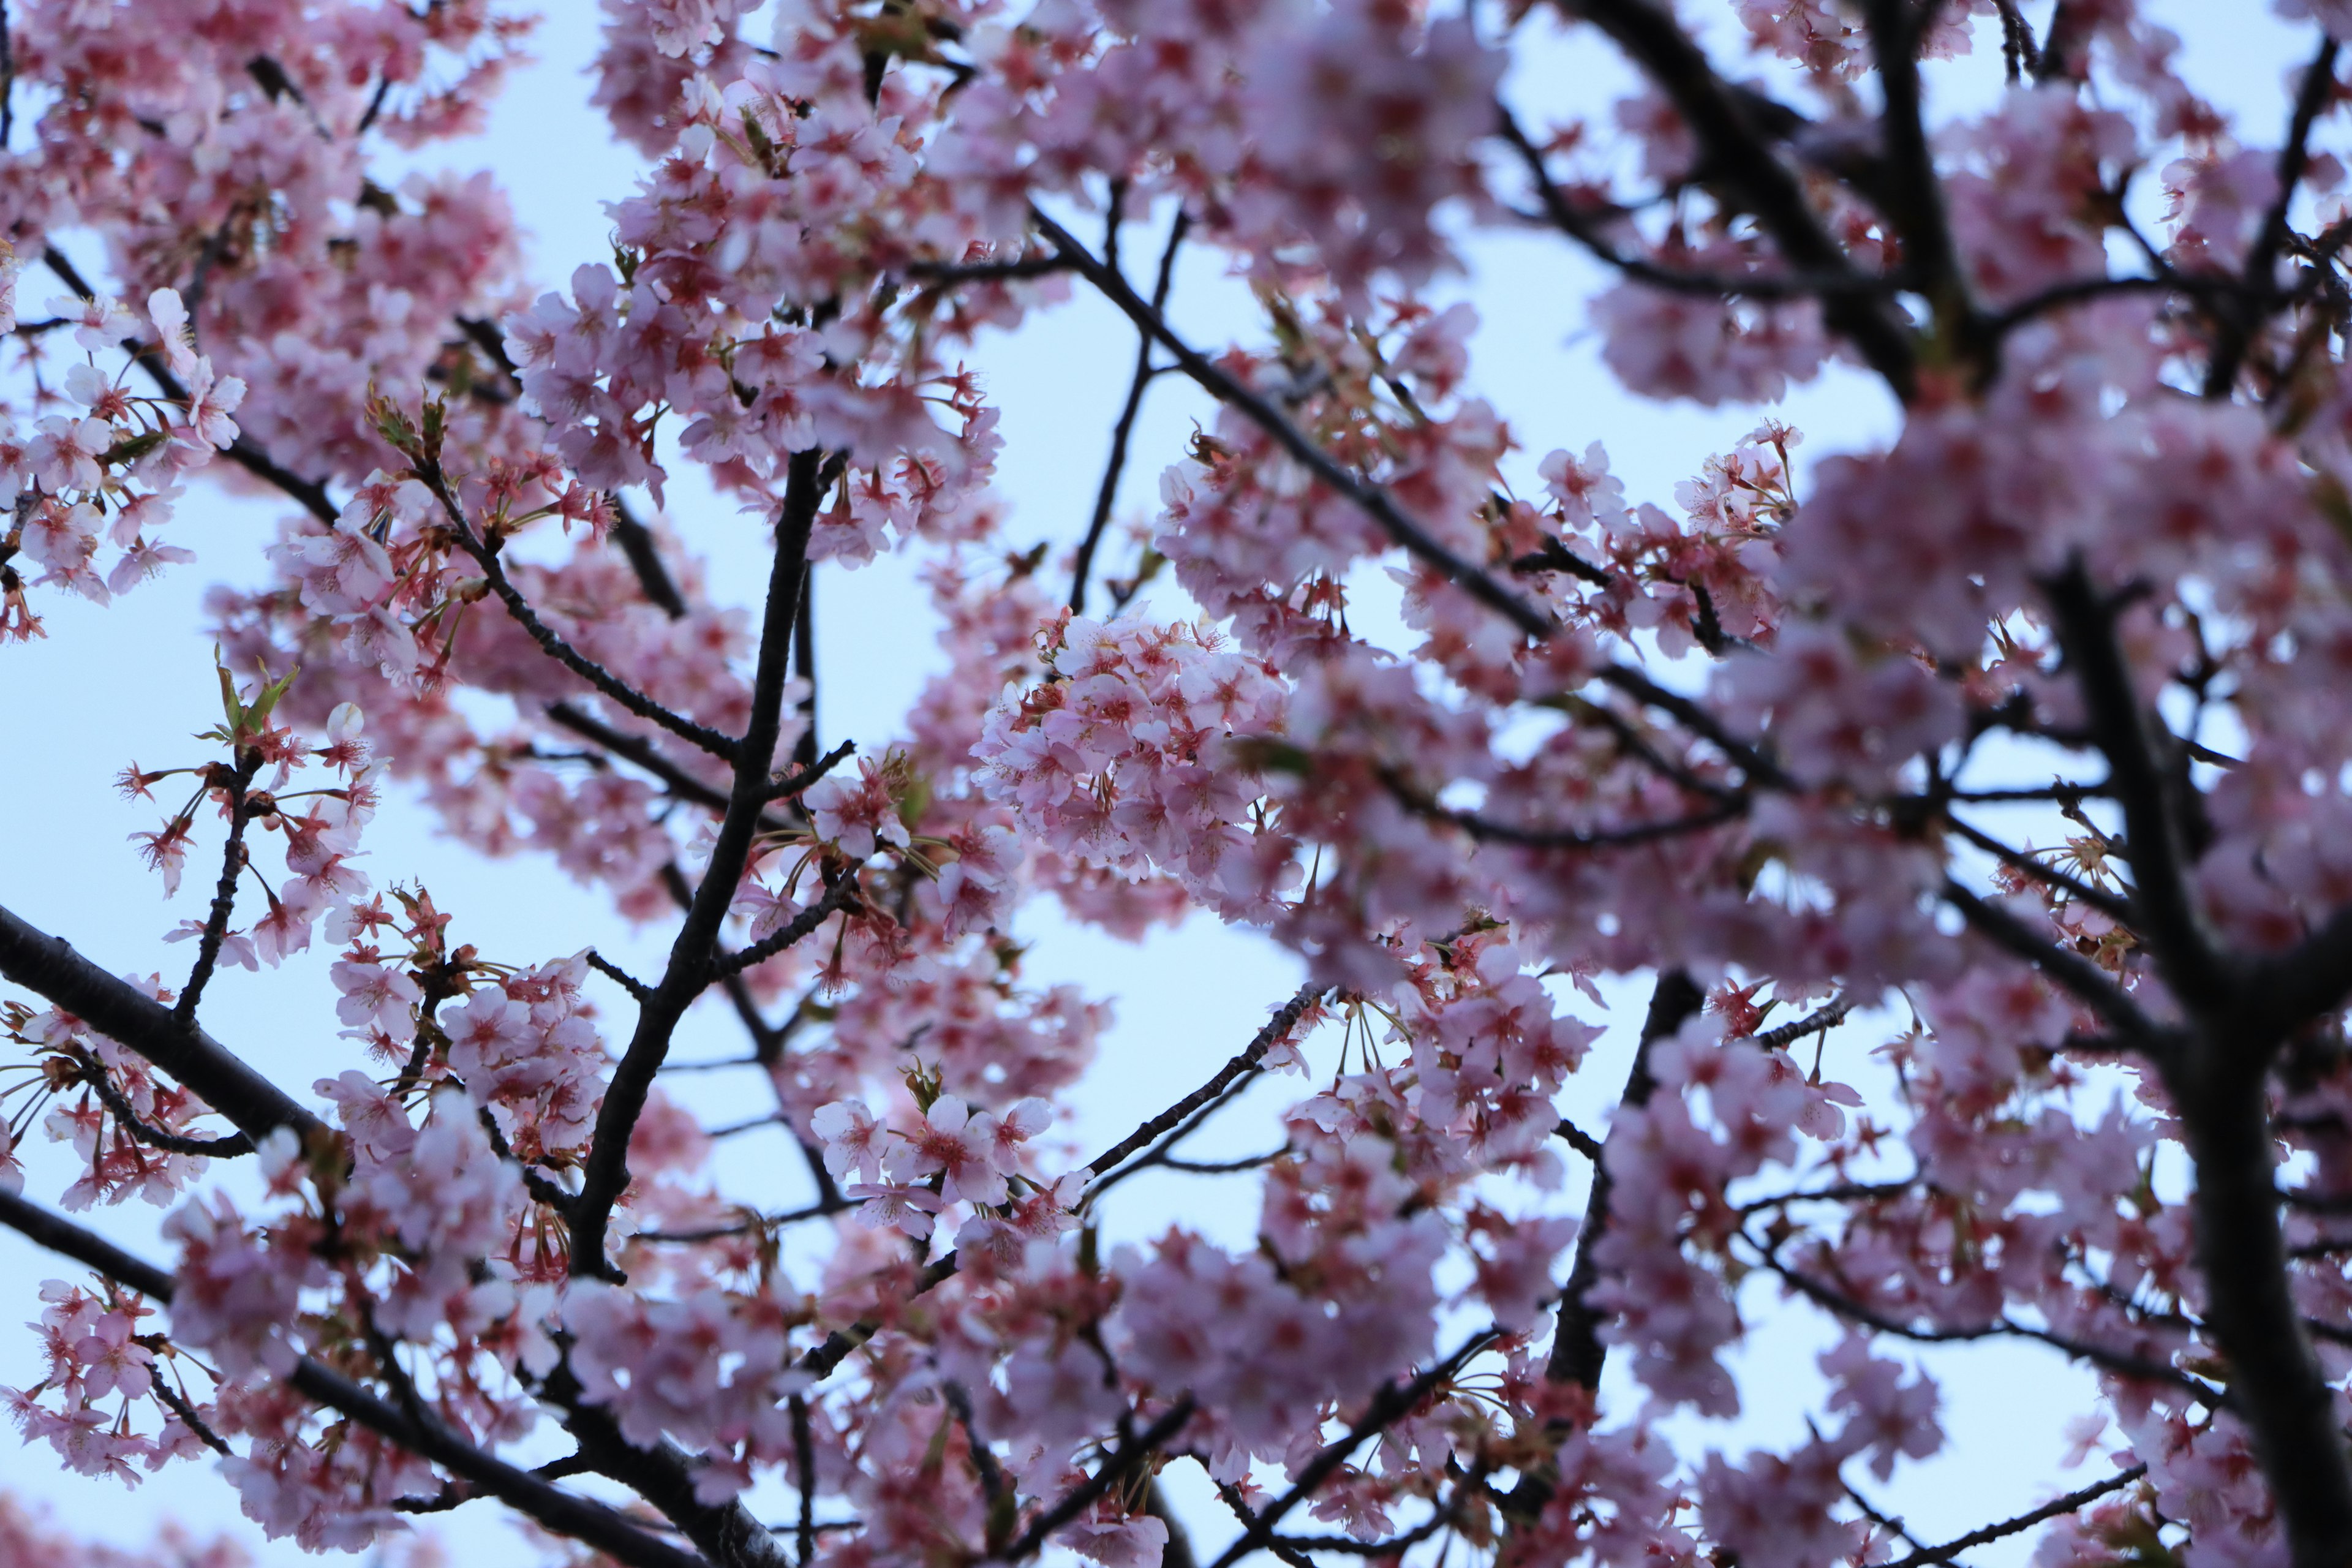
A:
{"points": [[1374, 501], [1107, 494]]}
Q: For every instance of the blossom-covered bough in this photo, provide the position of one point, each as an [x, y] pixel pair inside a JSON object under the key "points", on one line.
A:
{"points": [[2029, 729]]}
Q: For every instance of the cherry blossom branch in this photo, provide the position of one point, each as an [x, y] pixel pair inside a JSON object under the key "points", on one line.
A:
{"points": [[229, 1148], [1486, 830], [1392, 1402], [1699, 721], [2070, 971], [1444, 1517], [2277, 1381], [638, 989], [311, 494], [2055, 1508], [1577, 1350], [2134, 743], [604, 1171], [178, 1404], [2023, 863], [1277, 1028], [1739, 159], [727, 1533], [1564, 217], [792, 784], [636, 540], [1578, 1139], [766, 1044], [1114, 1468], [938, 274], [551, 642], [1371, 499], [840, 896], [821, 1359], [643, 754], [636, 543], [837, 1347], [2082, 291], [2260, 287], [579, 1518], [51, 966], [1912, 190], [216, 928], [2310, 980], [1556, 556], [1814, 1023], [2124, 1366], [1108, 493]]}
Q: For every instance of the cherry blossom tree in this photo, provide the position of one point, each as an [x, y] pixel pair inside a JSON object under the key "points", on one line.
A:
{"points": [[1973, 808]]}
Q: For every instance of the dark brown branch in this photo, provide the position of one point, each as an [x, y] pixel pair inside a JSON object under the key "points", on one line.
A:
{"points": [[641, 752], [1912, 190], [2069, 970], [2083, 290], [638, 989], [1286, 1018], [808, 772], [1114, 1468], [216, 928], [178, 1406], [311, 494], [2277, 1381], [1107, 494], [1486, 830], [1392, 1402], [2260, 289], [1577, 1352], [604, 1171], [2136, 747], [840, 896], [1371, 499], [227, 1148], [551, 642], [2054, 1509], [1586, 231], [822, 1360], [1699, 721], [49, 966], [945, 274], [2117, 1362], [2108, 904], [804, 1469], [1787, 1035], [1740, 162], [1578, 1139], [636, 543]]}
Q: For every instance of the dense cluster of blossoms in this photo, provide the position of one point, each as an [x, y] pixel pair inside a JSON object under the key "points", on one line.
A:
{"points": [[2017, 742]]}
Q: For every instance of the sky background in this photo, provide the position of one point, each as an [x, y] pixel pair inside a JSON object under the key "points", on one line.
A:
{"points": [[135, 681]]}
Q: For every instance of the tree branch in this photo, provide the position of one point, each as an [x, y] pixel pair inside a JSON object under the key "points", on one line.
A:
{"points": [[1375, 502], [605, 1170], [50, 967], [2260, 287], [1108, 492], [1393, 1401], [549, 640], [1286, 1018], [1743, 165], [1577, 1352]]}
